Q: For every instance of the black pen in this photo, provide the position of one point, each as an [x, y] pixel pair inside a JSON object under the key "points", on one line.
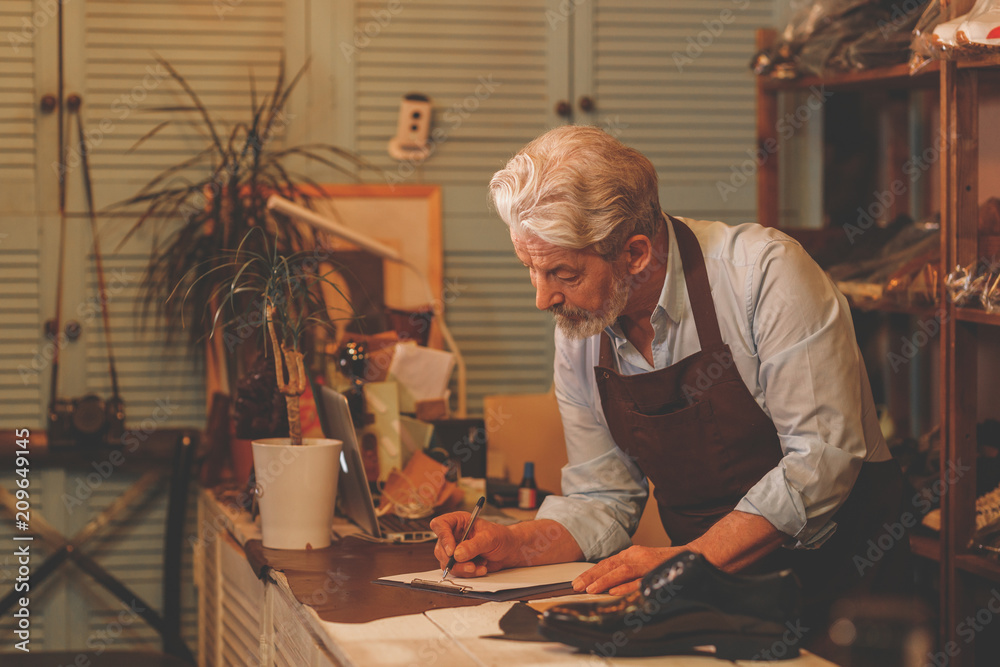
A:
{"points": [[468, 529]]}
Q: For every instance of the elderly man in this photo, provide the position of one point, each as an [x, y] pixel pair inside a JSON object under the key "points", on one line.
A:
{"points": [[718, 362]]}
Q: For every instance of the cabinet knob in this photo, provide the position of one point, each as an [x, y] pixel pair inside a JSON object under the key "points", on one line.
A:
{"points": [[587, 104], [73, 329], [48, 103], [563, 109], [73, 102]]}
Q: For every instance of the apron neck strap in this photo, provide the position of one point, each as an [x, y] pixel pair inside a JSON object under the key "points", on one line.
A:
{"points": [[698, 288], [606, 357], [699, 294]]}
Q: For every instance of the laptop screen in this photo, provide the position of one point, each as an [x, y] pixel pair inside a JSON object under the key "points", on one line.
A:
{"points": [[354, 497]]}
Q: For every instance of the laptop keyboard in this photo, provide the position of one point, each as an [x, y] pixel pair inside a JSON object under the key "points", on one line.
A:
{"points": [[390, 523]]}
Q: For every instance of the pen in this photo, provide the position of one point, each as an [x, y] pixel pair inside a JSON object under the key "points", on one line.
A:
{"points": [[468, 529]]}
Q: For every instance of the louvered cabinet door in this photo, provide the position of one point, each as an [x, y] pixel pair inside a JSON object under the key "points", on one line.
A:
{"points": [[25, 358], [216, 47], [671, 79], [494, 73], [108, 61], [108, 52], [18, 51], [244, 633], [233, 626], [208, 580], [294, 643]]}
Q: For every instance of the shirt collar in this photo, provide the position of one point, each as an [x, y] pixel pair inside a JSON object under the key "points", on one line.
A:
{"points": [[672, 302]]}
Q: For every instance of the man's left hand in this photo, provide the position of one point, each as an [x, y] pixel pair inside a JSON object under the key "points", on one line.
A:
{"points": [[621, 574]]}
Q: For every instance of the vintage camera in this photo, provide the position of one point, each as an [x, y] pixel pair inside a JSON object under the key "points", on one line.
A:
{"points": [[87, 421]]}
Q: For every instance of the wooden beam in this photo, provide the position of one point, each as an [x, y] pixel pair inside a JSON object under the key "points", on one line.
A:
{"points": [[767, 143], [959, 358]]}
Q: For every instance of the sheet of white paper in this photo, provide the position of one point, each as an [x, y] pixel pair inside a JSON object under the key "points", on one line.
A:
{"points": [[505, 580], [400, 640], [422, 373]]}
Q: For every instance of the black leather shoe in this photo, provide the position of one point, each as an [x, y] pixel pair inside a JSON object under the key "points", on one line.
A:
{"points": [[684, 606]]}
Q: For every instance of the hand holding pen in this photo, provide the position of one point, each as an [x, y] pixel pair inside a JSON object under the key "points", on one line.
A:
{"points": [[465, 535]]}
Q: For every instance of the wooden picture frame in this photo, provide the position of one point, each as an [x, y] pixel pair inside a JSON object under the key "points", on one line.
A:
{"points": [[406, 218]]}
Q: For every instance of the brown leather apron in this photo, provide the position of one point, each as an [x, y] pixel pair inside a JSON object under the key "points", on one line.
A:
{"points": [[697, 433], [693, 428]]}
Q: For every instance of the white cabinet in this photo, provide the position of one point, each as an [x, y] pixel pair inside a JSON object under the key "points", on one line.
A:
{"points": [[106, 56], [243, 620], [670, 79]]}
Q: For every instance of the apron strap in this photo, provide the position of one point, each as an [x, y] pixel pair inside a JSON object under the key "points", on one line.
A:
{"points": [[699, 294], [606, 358], [698, 288]]}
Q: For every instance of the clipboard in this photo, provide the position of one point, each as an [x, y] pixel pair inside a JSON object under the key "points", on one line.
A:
{"points": [[496, 586]]}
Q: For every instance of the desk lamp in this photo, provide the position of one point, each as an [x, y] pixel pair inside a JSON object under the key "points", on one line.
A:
{"points": [[385, 252]]}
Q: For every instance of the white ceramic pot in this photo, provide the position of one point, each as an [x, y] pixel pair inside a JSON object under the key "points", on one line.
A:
{"points": [[296, 491]]}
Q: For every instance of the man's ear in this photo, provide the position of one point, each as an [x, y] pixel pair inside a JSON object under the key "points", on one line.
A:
{"points": [[638, 253]]}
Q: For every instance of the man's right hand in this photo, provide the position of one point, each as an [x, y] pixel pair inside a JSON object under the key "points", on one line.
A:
{"points": [[488, 548]]}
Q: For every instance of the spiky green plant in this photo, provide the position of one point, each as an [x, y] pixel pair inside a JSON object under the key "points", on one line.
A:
{"points": [[204, 217], [282, 296]]}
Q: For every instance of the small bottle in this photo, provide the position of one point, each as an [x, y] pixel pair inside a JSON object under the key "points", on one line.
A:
{"points": [[527, 493]]}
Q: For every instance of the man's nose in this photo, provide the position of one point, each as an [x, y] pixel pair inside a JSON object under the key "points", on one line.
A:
{"points": [[545, 296]]}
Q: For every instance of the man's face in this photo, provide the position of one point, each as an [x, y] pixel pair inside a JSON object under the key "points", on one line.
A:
{"points": [[584, 292]]}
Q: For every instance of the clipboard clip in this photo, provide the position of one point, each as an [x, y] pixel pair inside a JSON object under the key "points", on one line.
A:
{"points": [[446, 586]]}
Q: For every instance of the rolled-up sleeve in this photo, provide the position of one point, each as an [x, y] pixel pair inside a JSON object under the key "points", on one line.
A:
{"points": [[813, 383], [604, 492]]}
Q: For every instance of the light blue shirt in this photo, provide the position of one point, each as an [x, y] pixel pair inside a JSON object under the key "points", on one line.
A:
{"points": [[792, 338]]}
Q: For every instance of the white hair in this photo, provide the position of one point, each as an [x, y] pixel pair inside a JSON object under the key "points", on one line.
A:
{"points": [[577, 187]]}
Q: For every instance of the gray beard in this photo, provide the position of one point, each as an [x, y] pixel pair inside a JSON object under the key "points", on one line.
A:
{"points": [[577, 323]]}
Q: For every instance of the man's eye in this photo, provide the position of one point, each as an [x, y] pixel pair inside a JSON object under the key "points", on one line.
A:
{"points": [[568, 277]]}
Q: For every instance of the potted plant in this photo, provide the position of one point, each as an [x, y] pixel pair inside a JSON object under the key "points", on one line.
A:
{"points": [[296, 476], [204, 206]]}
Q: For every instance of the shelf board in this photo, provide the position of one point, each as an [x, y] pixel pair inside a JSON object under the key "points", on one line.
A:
{"points": [[977, 316], [981, 62], [926, 547], [897, 76], [978, 565]]}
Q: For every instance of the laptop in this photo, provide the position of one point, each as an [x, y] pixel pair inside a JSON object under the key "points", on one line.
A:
{"points": [[352, 492]]}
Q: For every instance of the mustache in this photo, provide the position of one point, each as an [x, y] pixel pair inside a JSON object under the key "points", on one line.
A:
{"points": [[569, 311]]}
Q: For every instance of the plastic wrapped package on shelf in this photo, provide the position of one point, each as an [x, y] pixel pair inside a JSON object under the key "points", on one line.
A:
{"points": [[895, 264], [829, 36], [977, 285]]}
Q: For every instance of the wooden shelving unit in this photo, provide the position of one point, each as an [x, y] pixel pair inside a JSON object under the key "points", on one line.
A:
{"points": [[963, 575], [981, 566], [977, 316], [897, 75]]}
